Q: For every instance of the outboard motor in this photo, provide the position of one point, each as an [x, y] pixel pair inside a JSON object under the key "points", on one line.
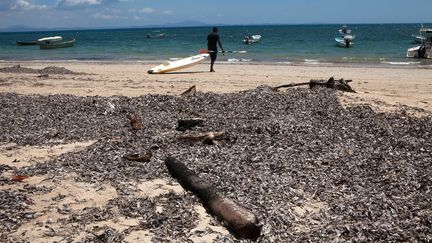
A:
{"points": [[347, 42], [421, 53]]}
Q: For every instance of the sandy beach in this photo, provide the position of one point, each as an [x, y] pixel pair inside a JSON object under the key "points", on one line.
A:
{"points": [[391, 85], [64, 203]]}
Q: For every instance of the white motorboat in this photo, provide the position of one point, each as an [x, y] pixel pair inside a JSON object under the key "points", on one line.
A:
{"points": [[419, 52], [425, 49], [346, 39], [55, 42], [252, 39]]}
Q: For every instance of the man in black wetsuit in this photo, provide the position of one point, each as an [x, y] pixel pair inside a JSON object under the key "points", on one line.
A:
{"points": [[212, 41]]}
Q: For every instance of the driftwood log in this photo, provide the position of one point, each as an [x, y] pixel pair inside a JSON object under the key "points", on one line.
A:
{"points": [[187, 124], [240, 221], [332, 83]]}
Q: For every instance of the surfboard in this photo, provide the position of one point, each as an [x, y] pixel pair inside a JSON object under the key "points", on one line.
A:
{"points": [[178, 64]]}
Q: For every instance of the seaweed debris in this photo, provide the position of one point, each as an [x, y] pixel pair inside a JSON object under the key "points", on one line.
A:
{"points": [[310, 169]]}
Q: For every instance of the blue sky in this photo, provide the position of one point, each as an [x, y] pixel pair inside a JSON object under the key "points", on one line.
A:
{"points": [[123, 13]]}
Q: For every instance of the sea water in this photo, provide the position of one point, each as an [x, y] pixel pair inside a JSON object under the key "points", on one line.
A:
{"points": [[384, 44]]}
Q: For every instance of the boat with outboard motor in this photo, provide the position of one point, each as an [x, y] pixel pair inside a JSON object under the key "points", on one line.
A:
{"points": [[346, 39], [55, 42], [250, 39], [422, 51]]}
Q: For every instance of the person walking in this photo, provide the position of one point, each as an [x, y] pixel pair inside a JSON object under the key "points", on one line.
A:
{"points": [[213, 40]]}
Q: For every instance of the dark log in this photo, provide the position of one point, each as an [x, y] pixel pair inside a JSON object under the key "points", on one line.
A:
{"points": [[238, 220], [187, 124], [190, 91], [135, 122]]}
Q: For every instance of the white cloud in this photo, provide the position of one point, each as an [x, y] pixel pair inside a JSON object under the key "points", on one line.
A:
{"points": [[23, 5], [142, 10], [103, 16], [74, 4], [167, 12]]}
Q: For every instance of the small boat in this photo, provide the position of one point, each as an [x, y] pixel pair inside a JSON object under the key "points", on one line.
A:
{"points": [[346, 39], [422, 51], [179, 64], [26, 43], [55, 42], [421, 36], [252, 39], [425, 49]]}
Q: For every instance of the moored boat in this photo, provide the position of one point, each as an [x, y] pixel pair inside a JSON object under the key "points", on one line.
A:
{"points": [[424, 50], [346, 39], [55, 42], [252, 39]]}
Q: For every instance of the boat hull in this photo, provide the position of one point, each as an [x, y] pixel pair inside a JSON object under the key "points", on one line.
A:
{"points": [[26, 43], [57, 44], [415, 52], [179, 64], [342, 43]]}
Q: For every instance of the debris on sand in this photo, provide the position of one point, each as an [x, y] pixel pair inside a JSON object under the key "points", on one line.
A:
{"points": [[14, 211], [189, 92], [309, 168], [340, 84], [44, 72]]}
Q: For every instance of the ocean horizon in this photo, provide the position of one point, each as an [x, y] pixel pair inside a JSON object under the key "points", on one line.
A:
{"points": [[384, 44]]}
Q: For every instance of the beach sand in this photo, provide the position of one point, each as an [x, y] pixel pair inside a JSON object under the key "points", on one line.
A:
{"points": [[384, 87], [391, 85]]}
